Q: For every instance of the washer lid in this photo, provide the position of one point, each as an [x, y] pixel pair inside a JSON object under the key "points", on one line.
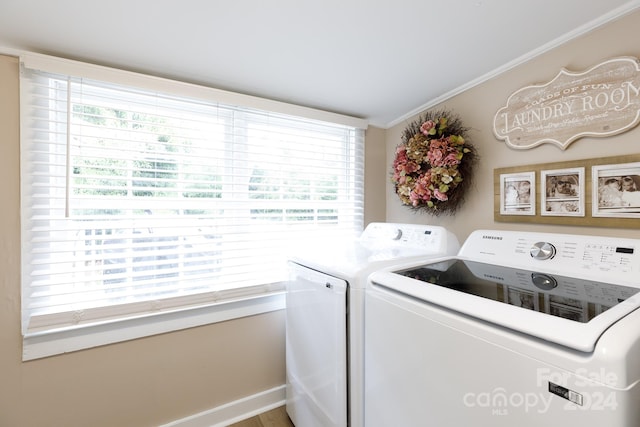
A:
{"points": [[565, 310]]}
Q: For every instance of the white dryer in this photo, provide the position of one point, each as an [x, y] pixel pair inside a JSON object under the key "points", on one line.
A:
{"points": [[519, 329], [325, 317]]}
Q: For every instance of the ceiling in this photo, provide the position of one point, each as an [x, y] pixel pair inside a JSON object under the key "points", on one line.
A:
{"points": [[381, 60]]}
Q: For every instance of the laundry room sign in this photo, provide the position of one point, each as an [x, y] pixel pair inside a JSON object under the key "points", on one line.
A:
{"points": [[599, 102]]}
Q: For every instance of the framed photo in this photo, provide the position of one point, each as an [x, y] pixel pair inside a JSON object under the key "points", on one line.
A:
{"points": [[562, 192], [518, 193], [616, 190]]}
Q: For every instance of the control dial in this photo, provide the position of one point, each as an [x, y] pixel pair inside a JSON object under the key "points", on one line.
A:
{"points": [[542, 250], [397, 235], [543, 281]]}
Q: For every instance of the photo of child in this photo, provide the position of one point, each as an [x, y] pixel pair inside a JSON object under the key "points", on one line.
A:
{"points": [[619, 191], [616, 190], [518, 194], [563, 192]]}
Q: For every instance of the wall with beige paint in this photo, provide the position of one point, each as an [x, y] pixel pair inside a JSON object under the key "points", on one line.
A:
{"points": [[375, 182], [478, 106], [144, 382]]}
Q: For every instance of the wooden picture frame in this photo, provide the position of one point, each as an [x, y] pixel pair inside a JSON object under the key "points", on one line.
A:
{"points": [[594, 172]]}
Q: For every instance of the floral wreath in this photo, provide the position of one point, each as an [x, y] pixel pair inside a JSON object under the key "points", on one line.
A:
{"points": [[433, 164]]}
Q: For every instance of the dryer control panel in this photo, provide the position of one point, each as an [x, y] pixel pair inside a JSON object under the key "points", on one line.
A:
{"points": [[428, 238]]}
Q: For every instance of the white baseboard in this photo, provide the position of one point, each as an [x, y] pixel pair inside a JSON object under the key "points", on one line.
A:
{"points": [[233, 412]]}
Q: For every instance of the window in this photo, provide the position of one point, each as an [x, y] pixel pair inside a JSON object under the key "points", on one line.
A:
{"points": [[137, 201]]}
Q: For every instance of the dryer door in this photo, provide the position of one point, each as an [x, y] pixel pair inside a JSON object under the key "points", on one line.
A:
{"points": [[316, 348]]}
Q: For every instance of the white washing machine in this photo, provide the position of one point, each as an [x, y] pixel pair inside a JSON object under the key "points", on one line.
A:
{"points": [[519, 329], [325, 315]]}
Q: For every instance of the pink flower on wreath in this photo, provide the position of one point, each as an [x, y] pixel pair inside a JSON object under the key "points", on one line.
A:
{"points": [[426, 127], [452, 159], [402, 166], [442, 152], [440, 196], [421, 191], [435, 155]]}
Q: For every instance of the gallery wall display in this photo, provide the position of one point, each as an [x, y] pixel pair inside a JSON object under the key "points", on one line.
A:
{"points": [[603, 192]]}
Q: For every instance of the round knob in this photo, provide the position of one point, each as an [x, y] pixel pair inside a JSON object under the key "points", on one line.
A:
{"points": [[542, 250], [543, 281], [397, 235]]}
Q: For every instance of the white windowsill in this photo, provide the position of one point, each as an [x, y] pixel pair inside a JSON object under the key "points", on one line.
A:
{"points": [[43, 344]]}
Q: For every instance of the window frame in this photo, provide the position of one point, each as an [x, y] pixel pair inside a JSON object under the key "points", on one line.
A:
{"points": [[42, 341]]}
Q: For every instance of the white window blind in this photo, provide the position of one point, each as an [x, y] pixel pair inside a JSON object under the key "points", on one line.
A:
{"points": [[136, 201]]}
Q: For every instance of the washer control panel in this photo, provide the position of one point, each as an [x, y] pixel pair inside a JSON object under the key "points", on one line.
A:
{"points": [[588, 256]]}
